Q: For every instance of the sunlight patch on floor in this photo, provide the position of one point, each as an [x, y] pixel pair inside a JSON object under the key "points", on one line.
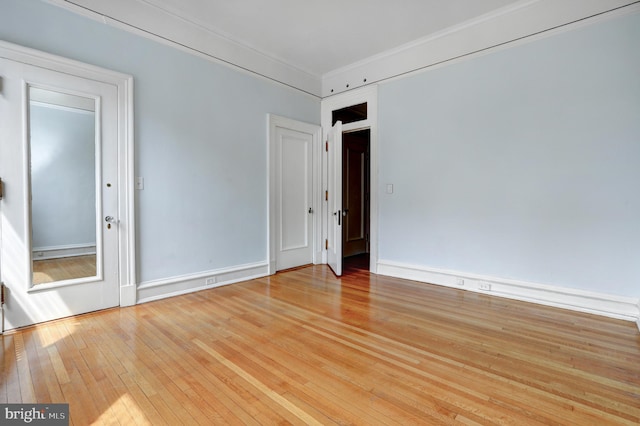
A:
{"points": [[124, 407], [48, 337]]}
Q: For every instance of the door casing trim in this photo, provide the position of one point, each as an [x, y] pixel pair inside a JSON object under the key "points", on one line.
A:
{"points": [[368, 94], [273, 122]]}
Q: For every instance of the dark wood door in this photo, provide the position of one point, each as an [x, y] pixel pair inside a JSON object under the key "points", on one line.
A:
{"points": [[355, 193]]}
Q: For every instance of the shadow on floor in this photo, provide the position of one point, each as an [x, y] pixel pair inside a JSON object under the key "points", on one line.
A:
{"points": [[359, 262]]}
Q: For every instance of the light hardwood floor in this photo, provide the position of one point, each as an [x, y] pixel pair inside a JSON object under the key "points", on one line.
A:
{"points": [[303, 347], [65, 268]]}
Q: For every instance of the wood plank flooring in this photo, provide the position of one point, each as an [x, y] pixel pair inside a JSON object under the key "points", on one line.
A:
{"points": [[64, 268], [303, 347]]}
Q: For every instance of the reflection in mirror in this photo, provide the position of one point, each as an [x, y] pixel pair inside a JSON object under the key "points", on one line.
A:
{"points": [[63, 185]]}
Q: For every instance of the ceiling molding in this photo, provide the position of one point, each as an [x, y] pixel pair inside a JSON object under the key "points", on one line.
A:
{"points": [[500, 28], [143, 19], [432, 37]]}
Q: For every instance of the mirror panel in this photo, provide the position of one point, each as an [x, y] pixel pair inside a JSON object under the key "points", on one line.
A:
{"points": [[62, 146]]}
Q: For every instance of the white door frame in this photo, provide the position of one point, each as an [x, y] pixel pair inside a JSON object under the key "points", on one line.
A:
{"points": [[368, 94], [125, 185], [273, 122]]}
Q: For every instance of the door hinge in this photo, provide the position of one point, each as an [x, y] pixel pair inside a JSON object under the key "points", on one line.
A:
{"points": [[1, 189], [326, 244], [326, 146], [2, 294], [326, 195]]}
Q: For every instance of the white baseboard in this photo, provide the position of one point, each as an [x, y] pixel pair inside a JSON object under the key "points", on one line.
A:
{"points": [[175, 286], [56, 252], [625, 308]]}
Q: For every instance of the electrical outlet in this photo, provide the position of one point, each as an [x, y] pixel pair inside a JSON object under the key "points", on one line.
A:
{"points": [[484, 286], [459, 282], [211, 280]]}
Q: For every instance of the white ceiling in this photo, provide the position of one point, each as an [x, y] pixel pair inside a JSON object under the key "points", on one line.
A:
{"points": [[325, 47], [322, 36]]}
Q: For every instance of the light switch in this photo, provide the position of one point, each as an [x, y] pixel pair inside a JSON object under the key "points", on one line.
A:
{"points": [[389, 188], [139, 183]]}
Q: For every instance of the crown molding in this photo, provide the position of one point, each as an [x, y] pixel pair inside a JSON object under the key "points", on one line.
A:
{"points": [[146, 20], [521, 22]]}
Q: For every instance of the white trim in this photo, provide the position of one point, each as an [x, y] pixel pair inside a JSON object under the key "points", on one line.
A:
{"points": [[625, 308], [60, 284], [56, 98], [124, 85], [368, 94], [273, 122], [162, 26], [26, 180], [506, 25], [511, 8], [160, 289], [62, 108], [39, 58], [520, 23], [99, 176], [69, 250], [126, 194]]}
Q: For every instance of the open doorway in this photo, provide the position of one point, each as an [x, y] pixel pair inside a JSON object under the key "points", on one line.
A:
{"points": [[355, 114], [356, 187]]}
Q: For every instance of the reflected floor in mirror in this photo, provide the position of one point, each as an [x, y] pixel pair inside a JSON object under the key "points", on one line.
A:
{"points": [[65, 268]]}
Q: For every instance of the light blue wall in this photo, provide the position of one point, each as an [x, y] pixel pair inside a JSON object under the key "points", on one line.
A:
{"points": [[200, 139], [521, 164], [63, 206]]}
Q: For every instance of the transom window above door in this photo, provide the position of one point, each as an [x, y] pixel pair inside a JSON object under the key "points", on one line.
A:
{"points": [[350, 114]]}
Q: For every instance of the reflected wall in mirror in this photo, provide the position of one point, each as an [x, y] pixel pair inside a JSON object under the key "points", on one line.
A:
{"points": [[62, 146]]}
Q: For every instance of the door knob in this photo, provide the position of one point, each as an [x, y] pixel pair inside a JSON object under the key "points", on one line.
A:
{"points": [[111, 219]]}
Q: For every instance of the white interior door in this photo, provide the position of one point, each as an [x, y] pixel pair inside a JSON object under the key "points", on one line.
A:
{"points": [[294, 204], [59, 165], [293, 196], [334, 226]]}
